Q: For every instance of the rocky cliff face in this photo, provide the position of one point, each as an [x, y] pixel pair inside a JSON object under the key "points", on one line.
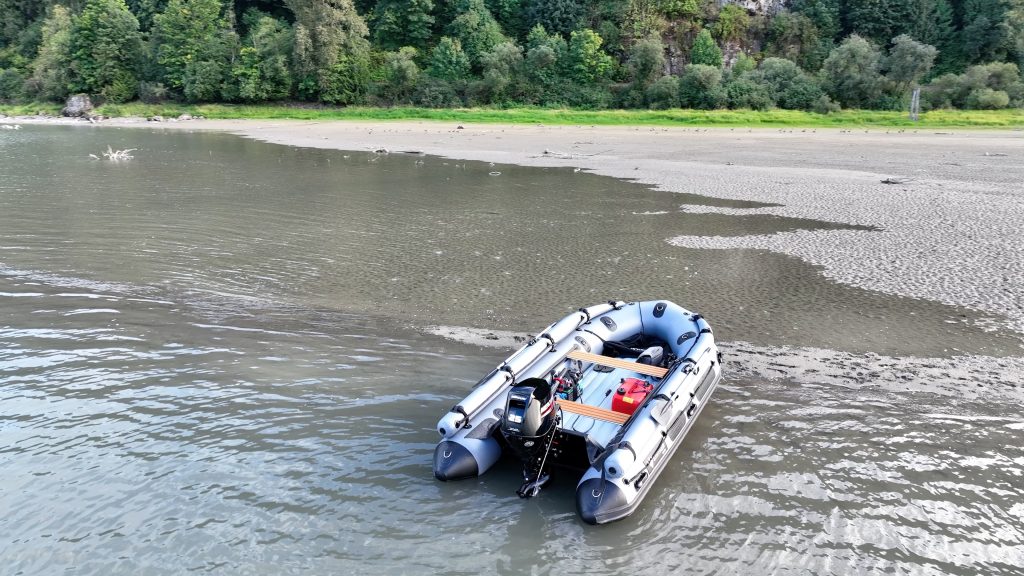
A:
{"points": [[678, 37], [757, 6]]}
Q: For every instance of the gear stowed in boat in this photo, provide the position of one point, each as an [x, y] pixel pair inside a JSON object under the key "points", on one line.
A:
{"points": [[610, 390]]}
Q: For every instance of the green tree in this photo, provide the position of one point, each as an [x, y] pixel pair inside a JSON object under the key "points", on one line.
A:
{"points": [[932, 21], [51, 79], [743, 64], [541, 70], [349, 80], [557, 16], [645, 65], [510, 15], [587, 63], [538, 37], [643, 19], [705, 51], [477, 30], [700, 86], [877, 20], [401, 76], [435, 93], [980, 39], [1015, 27], [732, 23], [851, 74], [332, 54], [448, 61], [795, 37], [776, 74], [803, 93], [12, 85], [502, 70], [981, 86], [646, 62], [824, 14], [988, 99], [933, 24], [943, 92], [679, 9], [105, 50], [203, 81], [908, 62], [398, 23], [998, 76], [663, 93], [744, 92], [16, 18], [262, 69], [188, 32], [545, 54], [987, 33], [146, 11], [786, 85]]}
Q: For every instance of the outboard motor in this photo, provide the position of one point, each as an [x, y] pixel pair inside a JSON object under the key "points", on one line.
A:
{"points": [[529, 426]]}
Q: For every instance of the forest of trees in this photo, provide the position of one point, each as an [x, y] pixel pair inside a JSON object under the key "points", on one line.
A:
{"points": [[802, 54]]}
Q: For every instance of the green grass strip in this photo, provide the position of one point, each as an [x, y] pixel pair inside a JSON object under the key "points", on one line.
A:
{"points": [[1012, 118]]}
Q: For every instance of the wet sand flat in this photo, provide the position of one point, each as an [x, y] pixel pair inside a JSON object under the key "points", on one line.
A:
{"points": [[948, 221]]}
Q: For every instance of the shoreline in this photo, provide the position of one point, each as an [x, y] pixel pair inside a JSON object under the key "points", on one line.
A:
{"points": [[947, 230]]}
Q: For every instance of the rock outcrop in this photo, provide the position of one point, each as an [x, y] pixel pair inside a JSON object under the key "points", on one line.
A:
{"points": [[770, 7], [77, 106]]}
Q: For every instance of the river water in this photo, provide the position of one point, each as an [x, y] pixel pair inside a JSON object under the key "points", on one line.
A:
{"points": [[218, 357]]}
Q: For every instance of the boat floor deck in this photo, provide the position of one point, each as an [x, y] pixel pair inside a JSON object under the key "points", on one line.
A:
{"points": [[592, 414]]}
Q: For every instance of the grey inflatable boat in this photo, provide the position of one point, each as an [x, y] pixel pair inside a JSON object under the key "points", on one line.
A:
{"points": [[610, 390]]}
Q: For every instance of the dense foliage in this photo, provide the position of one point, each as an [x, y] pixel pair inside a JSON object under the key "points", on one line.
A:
{"points": [[815, 55]]}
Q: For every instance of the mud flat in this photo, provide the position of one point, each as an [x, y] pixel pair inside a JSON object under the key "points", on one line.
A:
{"points": [[948, 213]]}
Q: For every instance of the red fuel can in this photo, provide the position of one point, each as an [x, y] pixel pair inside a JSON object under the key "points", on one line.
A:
{"points": [[631, 394]]}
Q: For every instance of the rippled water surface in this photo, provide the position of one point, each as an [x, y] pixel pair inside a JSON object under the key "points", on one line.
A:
{"points": [[214, 358]]}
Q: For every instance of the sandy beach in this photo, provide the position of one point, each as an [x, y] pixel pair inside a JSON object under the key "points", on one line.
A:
{"points": [[945, 207]]}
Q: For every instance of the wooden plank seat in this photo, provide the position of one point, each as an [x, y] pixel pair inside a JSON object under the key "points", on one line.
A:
{"points": [[593, 412], [656, 371]]}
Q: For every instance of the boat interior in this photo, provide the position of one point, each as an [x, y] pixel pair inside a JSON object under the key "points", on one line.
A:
{"points": [[595, 411]]}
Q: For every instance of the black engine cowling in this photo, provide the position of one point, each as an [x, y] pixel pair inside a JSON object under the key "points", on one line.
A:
{"points": [[528, 426], [529, 410]]}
